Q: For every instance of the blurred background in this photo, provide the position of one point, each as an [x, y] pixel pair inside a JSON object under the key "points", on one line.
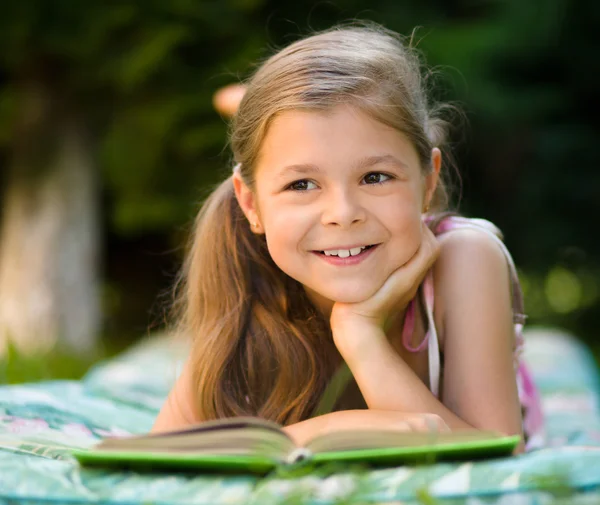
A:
{"points": [[109, 142]]}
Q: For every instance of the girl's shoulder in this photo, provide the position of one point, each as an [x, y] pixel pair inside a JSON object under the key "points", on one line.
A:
{"points": [[472, 254], [468, 238]]}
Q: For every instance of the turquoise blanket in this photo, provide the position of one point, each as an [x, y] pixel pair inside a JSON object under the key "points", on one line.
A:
{"points": [[40, 422]]}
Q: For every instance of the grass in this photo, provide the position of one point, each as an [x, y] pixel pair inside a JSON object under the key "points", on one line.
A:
{"points": [[18, 367]]}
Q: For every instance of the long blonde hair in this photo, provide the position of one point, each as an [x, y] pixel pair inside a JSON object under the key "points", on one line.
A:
{"points": [[260, 347]]}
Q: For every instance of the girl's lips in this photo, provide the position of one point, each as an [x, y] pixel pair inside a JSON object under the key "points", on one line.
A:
{"points": [[350, 260]]}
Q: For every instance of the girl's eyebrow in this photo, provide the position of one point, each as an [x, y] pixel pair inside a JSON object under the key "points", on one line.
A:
{"points": [[369, 161]]}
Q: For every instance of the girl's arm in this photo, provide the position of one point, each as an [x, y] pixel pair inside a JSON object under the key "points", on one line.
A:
{"points": [[304, 431], [472, 286], [179, 410], [388, 383]]}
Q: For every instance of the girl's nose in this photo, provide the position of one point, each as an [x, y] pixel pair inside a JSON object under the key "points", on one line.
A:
{"points": [[342, 208]]}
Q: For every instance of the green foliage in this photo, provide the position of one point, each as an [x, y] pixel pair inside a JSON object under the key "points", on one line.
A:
{"points": [[142, 74]]}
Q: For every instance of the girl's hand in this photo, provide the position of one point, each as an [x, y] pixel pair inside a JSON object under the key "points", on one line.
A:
{"points": [[414, 422], [395, 294]]}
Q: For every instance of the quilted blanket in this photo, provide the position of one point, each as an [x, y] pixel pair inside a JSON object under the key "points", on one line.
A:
{"points": [[41, 422]]}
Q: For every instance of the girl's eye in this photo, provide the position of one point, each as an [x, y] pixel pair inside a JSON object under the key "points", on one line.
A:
{"points": [[376, 178], [302, 185]]}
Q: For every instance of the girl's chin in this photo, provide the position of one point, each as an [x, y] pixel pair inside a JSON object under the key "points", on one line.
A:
{"points": [[329, 296]]}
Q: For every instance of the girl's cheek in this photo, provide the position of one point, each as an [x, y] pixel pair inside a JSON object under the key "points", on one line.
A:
{"points": [[410, 238]]}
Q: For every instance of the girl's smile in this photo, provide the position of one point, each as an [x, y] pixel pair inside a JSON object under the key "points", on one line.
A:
{"points": [[346, 256]]}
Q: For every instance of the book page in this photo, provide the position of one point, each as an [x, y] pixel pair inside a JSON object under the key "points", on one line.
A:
{"points": [[227, 436], [218, 424]]}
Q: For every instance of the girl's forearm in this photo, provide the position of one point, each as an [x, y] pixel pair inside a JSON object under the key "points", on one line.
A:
{"points": [[386, 381], [304, 431]]}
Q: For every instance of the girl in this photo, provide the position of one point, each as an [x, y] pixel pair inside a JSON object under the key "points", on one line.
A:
{"points": [[327, 287]]}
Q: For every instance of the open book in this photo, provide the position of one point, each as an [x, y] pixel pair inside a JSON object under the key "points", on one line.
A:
{"points": [[256, 445]]}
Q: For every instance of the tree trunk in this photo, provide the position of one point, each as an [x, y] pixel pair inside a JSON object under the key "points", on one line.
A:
{"points": [[49, 231]]}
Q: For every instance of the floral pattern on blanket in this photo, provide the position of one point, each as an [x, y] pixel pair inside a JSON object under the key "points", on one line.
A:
{"points": [[45, 423], [40, 423], [57, 431]]}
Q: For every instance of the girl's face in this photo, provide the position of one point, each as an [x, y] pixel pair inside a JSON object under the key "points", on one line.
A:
{"points": [[338, 181]]}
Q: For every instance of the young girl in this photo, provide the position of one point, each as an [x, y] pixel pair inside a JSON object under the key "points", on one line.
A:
{"points": [[327, 287]]}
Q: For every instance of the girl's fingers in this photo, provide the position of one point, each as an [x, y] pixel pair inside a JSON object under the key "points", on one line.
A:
{"points": [[425, 257], [422, 423], [432, 246], [403, 426], [435, 423], [408, 277]]}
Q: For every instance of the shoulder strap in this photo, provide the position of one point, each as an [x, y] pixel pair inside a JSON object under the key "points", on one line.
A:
{"points": [[433, 346]]}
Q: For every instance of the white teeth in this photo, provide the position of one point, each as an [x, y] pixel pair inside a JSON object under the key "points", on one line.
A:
{"points": [[344, 253]]}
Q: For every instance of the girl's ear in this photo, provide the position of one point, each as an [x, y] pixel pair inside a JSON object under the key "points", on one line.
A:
{"points": [[431, 179], [247, 202]]}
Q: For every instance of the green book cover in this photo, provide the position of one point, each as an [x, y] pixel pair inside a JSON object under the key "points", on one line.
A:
{"points": [[258, 446]]}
